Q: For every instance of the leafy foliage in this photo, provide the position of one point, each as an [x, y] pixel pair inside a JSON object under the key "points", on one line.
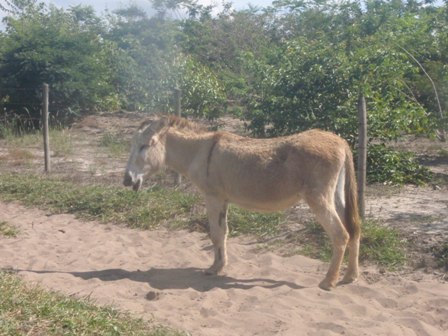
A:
{"points": [[316, 82], [385, 165], [54, 46], [203, 95]]}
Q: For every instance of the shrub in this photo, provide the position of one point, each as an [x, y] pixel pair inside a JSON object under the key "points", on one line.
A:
{"points": [[386, 165]]}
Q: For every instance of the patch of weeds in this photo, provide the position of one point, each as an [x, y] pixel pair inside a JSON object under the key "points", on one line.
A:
{"points": [[6, 132], [30, 139], [315, 243], [61, 142], [115, 143], [243, 221], [442, 153], [440, 254], [13, 128], [19, 156], [145, 210], [29, 310], [379, 244], [386, 165], [8, 230], [382, 245]]}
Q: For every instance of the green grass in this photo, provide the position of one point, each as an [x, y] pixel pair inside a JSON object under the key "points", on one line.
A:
{"points": [[22, 140], [8, 230], [379, 244], [29, 310], [144, 210], [243, 221], [115, 143], [60, 140], [382, 245]]}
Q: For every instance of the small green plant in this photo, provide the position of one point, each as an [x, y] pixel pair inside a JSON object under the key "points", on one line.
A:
{"points": [[385, 165], [382, 245], [379, 244], [6, 132], [8, 230], [440, 253], [315, 242], [29, 310], [243, 221], [60, 141], [442, 153]]}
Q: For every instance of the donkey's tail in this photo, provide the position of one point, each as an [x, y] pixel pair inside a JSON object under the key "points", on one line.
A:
{"points": [[352, 220]]}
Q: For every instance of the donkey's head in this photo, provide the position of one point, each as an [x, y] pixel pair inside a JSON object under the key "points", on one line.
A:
{"points": [[147, 152]]}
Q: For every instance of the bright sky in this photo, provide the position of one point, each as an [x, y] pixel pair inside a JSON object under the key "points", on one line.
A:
{"points": [[101, 5]]}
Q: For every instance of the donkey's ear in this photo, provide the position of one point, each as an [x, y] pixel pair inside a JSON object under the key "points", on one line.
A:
{"points": [[153, 140]]}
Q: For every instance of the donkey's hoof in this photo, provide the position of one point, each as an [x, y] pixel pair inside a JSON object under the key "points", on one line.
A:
{"points": [[326, 285], [348, 279], [211, 271], [214, 270]]}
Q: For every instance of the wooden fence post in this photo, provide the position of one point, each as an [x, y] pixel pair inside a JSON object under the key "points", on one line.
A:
{"points": [[362, 153], [45, 94], [178, 108]]}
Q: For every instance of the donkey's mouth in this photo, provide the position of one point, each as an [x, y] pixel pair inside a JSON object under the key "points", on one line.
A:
{"points": [[136, 183]]}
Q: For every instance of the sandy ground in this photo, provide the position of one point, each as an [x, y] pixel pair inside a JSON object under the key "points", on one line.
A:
{"points": [[158, 274]]}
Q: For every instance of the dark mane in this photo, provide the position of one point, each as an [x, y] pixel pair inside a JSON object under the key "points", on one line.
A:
{"points": [[183, 124]]}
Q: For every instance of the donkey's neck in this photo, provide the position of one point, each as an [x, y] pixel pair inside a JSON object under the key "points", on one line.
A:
{"points": [[183, 149]]}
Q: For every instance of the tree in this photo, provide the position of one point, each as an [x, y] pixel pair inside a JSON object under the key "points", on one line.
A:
{"points": [[61, 48], [316, 79]]}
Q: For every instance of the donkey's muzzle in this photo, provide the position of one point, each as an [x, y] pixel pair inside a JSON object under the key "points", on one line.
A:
{"points": [[128, 181]]}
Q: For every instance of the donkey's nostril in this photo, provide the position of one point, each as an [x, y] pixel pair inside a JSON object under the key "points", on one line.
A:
{"points": [[127, 181]]}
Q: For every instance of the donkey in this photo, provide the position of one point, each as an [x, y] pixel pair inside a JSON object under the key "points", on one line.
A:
{"points": [[257, 174]]}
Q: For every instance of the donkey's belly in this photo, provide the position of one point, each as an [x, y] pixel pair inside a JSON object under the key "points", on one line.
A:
{"points": [[268, 201]]}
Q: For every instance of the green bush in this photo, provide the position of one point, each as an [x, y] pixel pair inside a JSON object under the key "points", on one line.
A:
{"points": [[386, 165], [440, 253]]}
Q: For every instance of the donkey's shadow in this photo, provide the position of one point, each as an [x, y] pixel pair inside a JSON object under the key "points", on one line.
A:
{"points": [[178, 278]]}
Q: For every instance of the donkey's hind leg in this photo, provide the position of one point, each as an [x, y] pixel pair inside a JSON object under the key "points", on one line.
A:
{"points": [[327, 216], [217, 217], [352, 272]]}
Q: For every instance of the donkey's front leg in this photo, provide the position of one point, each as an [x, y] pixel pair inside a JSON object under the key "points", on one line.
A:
{"points": [[217, 217]]}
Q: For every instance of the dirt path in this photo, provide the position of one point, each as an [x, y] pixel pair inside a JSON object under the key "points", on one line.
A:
{"points": [[157, 274]]}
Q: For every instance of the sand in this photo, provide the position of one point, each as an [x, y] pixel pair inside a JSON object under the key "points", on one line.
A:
{"points": [[158, 275]]}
